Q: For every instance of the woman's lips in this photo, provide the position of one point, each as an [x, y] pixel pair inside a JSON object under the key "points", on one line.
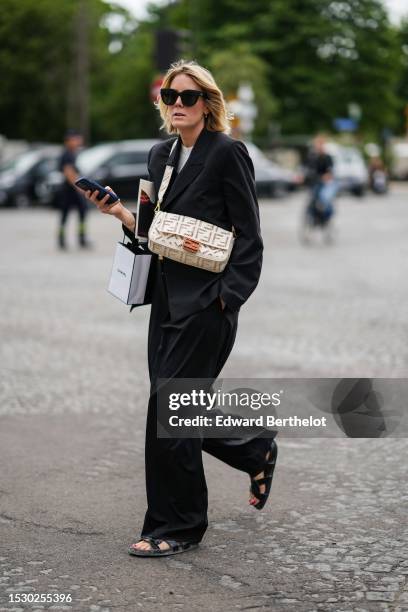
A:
{"points": [[178, 115]]}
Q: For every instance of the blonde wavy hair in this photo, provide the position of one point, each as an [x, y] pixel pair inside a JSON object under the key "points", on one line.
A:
{"points": [[218, 118]]}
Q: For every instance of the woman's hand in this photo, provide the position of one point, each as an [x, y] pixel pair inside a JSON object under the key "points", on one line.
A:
{"points": [[115, 209]]}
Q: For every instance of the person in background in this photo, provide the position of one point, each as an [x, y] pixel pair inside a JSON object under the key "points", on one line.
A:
{"points": [[70, 196], [378, 176], [320, 178]]}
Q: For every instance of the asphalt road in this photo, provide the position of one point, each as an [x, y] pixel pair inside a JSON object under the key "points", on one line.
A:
{"points": [[73, 388]]}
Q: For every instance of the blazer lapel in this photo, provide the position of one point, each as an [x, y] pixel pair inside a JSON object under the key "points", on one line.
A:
{"points": [[192, 167]]}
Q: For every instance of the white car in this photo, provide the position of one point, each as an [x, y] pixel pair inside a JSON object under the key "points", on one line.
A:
{"points": [[21, 177], [399, 169], [350, 169]]}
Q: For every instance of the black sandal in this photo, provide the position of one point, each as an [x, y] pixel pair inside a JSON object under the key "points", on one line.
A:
{"points": [[156, 551], [268, 470]]}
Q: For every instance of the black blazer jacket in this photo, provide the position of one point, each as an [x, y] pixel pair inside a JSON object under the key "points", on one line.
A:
{"points": [[217, 185]]}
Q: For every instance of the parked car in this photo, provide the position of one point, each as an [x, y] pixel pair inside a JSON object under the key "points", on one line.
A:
{"points": [[271, 179], [117, 164], [21, 177], [350, 168], [399, 165], [121, 164]]}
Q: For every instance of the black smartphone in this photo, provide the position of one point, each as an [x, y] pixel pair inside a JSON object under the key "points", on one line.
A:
{"points": [[88, 185]]}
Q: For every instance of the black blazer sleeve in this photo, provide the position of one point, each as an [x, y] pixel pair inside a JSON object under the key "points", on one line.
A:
{"points": [[125, 229], [242, 272]]}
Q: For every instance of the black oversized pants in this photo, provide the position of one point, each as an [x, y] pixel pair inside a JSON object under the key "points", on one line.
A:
{"points": [[196, 346]]}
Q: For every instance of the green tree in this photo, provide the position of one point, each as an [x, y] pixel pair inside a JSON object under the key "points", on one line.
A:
{"points": [[403, 82], [40, 83], [122, 107], [320, 54], [366, 54], [324, 55], [250, 68], [33, 58], [306, 60]]}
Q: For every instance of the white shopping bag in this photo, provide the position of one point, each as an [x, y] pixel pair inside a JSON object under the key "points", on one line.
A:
{"points": [[130, 273]]}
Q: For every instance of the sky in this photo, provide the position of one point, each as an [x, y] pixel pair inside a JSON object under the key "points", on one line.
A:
{"points": [[137, 7], [397, 8]]}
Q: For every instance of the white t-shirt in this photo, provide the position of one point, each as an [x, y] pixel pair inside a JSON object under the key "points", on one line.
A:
{"points": [[184, 155]]}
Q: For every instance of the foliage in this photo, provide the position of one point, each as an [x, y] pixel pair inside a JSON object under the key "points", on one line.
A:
{"points": [[251, 69], [40, 85], [307, 61], [33, 59]]}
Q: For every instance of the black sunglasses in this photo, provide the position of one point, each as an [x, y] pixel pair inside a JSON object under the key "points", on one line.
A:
{"points": [[188, 97]]}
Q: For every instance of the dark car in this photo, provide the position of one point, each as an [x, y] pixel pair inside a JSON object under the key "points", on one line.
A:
{"points": [[20, 178], [271, 179], [117, 164]]}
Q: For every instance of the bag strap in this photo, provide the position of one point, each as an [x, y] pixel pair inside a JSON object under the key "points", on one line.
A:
{"points": [[168, 171]]}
